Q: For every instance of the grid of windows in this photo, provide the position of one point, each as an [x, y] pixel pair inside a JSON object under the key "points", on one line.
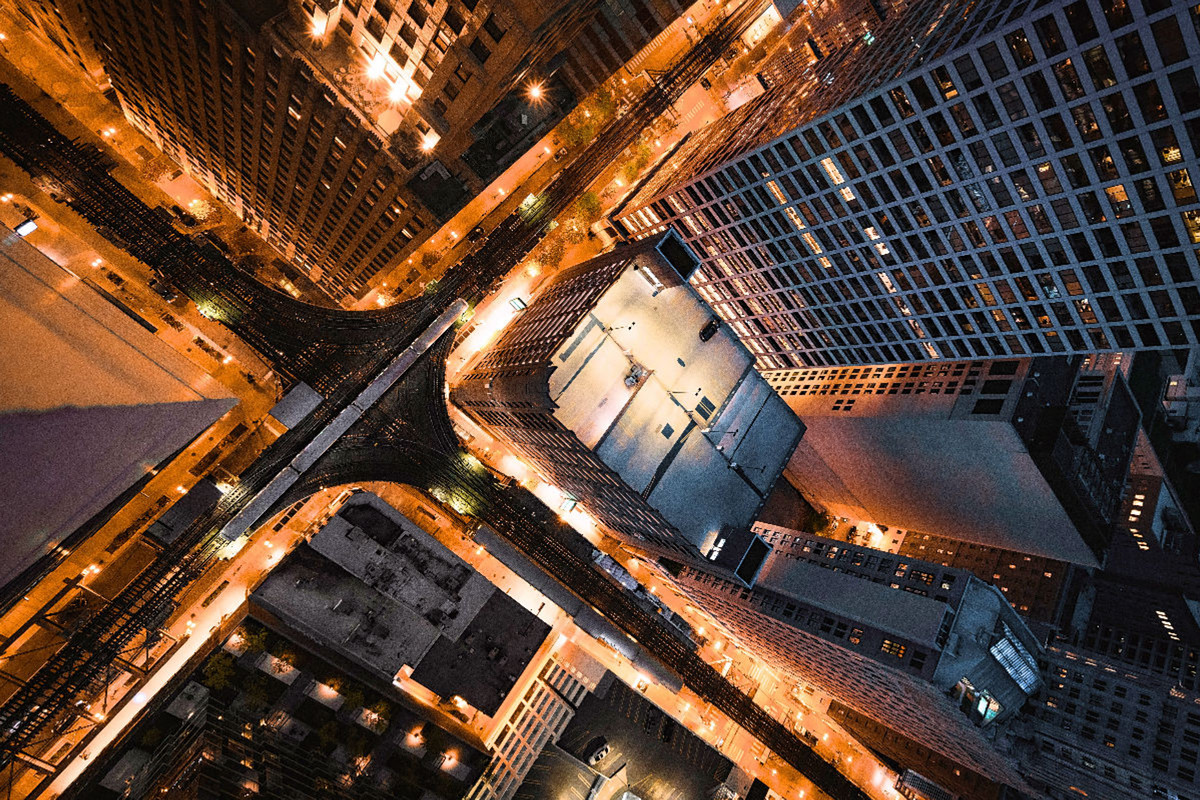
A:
{"points": [[1027, 190], [264, 136], [1107, 729], [272, 112], [544, 710], [854, 669]]}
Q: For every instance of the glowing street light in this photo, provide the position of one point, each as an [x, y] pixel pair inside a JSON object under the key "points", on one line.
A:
{"points": [[535, 92]]}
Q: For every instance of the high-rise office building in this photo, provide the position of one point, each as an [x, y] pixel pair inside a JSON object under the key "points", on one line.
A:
{"points": [[1035, 585], [1109, 730], [623, 390], [62, 25], [91, 402], [1028, 455], [933, 655], [973, 179], [1118, 713], [1141, 610], [336, 129]]}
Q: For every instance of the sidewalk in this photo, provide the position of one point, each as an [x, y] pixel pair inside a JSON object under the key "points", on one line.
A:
{"points": [[60, 92]]}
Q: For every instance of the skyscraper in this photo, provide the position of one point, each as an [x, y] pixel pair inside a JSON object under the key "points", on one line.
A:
{"points": [[1109, 730], [930, 654], [623, 390], [91, 402], [336, 130], [1022, 454], [61, 23], [974, 179]]}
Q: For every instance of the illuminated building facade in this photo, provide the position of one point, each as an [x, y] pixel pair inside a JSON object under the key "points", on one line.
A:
{"points": [[62, 25], [1026, 455], [336, 128], [92, 405], [1106, 729], [623, 390], [933, 655], [980, 180]]}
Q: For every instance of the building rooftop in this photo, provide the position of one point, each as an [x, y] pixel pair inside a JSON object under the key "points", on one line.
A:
{"points": [[484, 662], [90, 401], [638, 384], [375, 587], [660, 757], [904, 614]]}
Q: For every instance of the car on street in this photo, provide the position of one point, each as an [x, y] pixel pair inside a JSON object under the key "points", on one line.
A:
{"points": [[476, 234], [164, 290], [598, 751]]}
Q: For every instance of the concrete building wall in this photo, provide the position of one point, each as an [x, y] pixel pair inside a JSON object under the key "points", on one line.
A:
{"points": [[338, 133], [891, 696], [90, 402], [966, 479], [1106, 730]]}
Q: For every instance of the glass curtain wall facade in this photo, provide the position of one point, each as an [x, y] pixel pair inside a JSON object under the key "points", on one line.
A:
{"points": [[999, 178]]}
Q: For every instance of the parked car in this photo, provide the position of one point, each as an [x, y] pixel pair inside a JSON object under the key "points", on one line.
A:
{"points": [[598, 751], [476, 234], [164, 290], [561, 154]]}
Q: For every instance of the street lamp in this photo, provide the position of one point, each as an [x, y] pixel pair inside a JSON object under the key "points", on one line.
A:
{"points": [[535, 92]]}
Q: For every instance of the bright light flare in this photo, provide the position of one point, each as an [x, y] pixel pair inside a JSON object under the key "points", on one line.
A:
{"points": [[376, 67], [535, 91]]}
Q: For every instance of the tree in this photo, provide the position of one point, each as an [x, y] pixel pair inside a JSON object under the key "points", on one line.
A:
{"points": [[151, 738], [382, 709], [554, 250], [429, 258], [642, 153], [589, 208], [576, 130], [573, 232], [821, 523], [254, 640], [603, 105], [354, 697], [157, 168], [255, 693], [358, 744], [219, 671], [431, 287], [327, 735]]}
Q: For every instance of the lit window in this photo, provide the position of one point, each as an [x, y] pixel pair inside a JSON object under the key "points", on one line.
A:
{"points": [[832, 170]]}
